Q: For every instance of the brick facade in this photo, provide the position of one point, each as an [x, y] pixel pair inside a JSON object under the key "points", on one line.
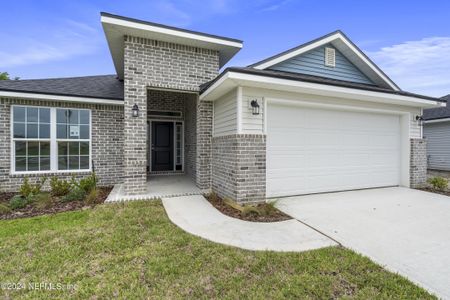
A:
{"points": [[107, 142], [418, 163], [156, 64], [239, 167]]}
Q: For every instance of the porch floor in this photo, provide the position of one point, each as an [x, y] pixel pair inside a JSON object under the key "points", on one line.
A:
{"points": [[159, 186]]}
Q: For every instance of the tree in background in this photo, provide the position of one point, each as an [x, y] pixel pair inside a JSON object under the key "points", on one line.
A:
{"points": [[5, 76]]}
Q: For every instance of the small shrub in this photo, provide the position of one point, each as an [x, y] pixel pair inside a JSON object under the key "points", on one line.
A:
{"points": [[27, 189], [250, 210], [59, 187], [87, 184], [268, 208], [438, 183], [42, 200], [17, 202], [91, 198], [4, 209], [76, 194]]}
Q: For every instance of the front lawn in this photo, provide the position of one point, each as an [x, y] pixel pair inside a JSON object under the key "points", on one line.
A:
{"points": [[132, 251]]}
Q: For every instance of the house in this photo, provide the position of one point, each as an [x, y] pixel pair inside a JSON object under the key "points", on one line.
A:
{"points": [[436, 131], [320, 117]]}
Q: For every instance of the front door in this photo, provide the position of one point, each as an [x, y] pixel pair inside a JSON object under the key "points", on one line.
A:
{"points": [[162, 146]]}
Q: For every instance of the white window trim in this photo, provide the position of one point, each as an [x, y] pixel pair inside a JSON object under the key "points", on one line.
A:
{"points": [[53, 143]]}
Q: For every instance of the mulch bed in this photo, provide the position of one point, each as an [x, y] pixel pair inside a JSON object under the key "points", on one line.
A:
{"points": [[57, 206], [431, 190], [226, 209]]}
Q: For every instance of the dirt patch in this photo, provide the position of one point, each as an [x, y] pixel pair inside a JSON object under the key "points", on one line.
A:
{"points": [[274, 216], [56, 206], [431, 190]]}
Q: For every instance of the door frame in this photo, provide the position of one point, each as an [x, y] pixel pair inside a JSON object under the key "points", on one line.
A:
{"points": [[149, 144], [404, 118]]}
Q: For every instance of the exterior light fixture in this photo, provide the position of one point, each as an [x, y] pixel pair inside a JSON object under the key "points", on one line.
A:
{"points": [[255, 107], [135, 111], [419, 120]]}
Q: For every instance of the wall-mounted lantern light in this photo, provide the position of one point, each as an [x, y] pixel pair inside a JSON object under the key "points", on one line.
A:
{"points": [[135, 111], [419, 120], [255, 107]]}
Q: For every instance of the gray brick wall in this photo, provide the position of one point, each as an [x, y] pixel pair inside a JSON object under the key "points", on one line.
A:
{"points": [[239, 167], [204, 139], [190, 137], [418, 163], [107, 142], [156, 64]]}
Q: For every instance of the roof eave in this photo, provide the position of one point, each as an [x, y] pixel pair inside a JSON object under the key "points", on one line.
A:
{"points": [[230, 79], [116, 27], [4, 93]]}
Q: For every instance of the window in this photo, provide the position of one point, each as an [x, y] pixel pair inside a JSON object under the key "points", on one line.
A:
{"points": [[50, 139], [72, 135], [165, 113], [31, 138], [178, 146]]}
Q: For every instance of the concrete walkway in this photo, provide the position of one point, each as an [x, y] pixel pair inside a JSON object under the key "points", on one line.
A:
{"points": [[197, 216]]}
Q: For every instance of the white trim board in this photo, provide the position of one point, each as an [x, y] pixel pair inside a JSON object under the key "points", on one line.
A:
{"points": [[345, 47], [232, 79], [50, 97]]}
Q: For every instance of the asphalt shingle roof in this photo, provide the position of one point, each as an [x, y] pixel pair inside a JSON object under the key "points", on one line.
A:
{"points": [[102, 86], [438, 113]]}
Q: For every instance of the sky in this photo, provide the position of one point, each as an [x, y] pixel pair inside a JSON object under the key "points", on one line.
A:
{"points": [[409, 40]]}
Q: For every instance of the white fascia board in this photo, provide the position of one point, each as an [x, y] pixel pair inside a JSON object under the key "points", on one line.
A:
{"points": [[325, 41], [234, 78], [34, 96], [436, 121], [168, 31]]}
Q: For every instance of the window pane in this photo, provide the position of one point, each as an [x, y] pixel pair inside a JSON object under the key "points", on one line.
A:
{"points": [[33, 148], [84, 117], [84, 131], [19, 114], [73, 116], [32, 114], [61, 116], [61, 131], [63, 148], [21, 163], [74, 148], [44, 115], [32, 131], [45, 163], [45, 149], [62, 162], [19, 130], [44, 131], [33, 164], [84, 148], [21, 148], [74, 162], [84, 162]]}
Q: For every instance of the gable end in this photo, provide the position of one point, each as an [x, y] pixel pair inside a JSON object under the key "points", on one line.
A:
{"points": [[314, 62]]}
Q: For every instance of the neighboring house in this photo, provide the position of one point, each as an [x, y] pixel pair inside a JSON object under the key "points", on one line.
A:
{"points": [[317, 118], [436, 131]]}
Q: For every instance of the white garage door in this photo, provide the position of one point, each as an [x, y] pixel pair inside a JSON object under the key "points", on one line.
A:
{"points": [[312, 150]]}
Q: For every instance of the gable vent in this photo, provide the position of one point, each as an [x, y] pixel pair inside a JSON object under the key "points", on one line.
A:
{"points": [[330, 57]]}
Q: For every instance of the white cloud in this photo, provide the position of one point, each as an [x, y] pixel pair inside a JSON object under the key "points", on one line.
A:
{"points": [[274, 6], [421, 66], [68, 40]]}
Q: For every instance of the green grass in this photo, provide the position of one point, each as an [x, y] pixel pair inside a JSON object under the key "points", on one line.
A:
{"points": [[133, 251]]}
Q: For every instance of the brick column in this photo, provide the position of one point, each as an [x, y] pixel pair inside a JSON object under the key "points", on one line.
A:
{"points": [[418, 163], [204, 138]]}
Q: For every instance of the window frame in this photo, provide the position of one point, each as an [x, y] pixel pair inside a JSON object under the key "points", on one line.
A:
{"points": [[53, 142]]}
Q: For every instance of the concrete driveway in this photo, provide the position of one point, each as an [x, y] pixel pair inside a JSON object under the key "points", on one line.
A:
{"points": [[407, 231]]}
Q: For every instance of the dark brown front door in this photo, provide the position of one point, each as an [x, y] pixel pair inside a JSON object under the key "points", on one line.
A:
{"points": [[162, 146]]}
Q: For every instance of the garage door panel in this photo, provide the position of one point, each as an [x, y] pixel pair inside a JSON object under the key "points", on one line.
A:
{"points": [[315, 150]]}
